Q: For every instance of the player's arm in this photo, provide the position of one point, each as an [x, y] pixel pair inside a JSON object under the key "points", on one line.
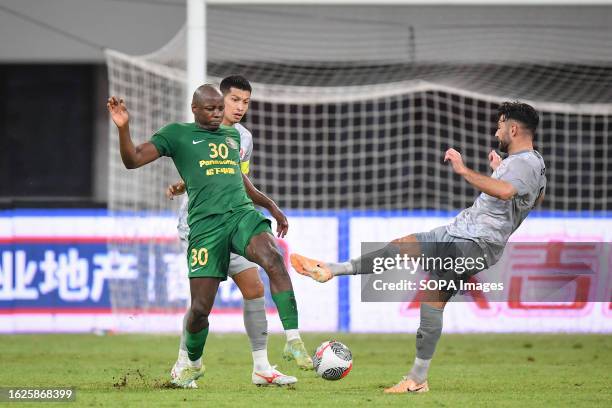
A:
{"points": [[488, 185], [262, 200], [132, 156]]}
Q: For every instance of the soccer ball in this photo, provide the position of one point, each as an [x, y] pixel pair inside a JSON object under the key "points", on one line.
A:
{"points": [[332, 360]]}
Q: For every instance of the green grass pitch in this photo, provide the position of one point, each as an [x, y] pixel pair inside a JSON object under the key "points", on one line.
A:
{"points": [[518, 370]]}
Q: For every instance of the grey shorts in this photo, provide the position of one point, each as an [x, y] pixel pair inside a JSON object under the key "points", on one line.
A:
{"points": [[438, 243], [237, 263]]}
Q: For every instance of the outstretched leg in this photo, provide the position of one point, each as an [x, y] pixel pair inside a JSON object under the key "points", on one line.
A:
{"points": [[324, 271]]}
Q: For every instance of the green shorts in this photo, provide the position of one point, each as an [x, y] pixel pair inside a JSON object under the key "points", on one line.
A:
{"points": [[214, 238]]}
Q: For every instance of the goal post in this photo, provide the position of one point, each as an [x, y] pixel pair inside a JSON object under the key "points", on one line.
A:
{"points": [[196, 49]]}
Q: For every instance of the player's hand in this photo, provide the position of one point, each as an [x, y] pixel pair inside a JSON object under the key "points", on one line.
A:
{"points": [[494, 160], [118, 111], [454, 157], [282, 225], [175, 189]]}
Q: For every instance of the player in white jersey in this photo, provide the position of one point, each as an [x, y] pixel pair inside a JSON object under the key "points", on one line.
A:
{"points": [[237, 92], [481, 231]]}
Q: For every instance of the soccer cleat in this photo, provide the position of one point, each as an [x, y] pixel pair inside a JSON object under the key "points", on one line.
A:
{"points": [[407, 385], [186, 376], [176, 371], [271, 377], [295, 350], [317, 270]]}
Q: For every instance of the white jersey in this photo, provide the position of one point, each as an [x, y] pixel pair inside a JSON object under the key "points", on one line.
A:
{"points": [[246, 150]]}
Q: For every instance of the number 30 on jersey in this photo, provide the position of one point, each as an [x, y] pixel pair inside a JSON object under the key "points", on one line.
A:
{"points": [[199, 257], [218, 150]]}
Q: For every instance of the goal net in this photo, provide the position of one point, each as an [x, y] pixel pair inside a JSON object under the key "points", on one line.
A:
{"points": [[353, 109]]}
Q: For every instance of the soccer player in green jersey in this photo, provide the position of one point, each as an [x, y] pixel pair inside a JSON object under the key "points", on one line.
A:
{"points": [[237, 95], [222, 219]]}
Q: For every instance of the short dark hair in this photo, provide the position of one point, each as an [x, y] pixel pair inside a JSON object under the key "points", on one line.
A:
{"points": [[235, 81], [521, 112]]}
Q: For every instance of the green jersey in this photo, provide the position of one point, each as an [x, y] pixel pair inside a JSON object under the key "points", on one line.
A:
{"points": [[209, 163]]}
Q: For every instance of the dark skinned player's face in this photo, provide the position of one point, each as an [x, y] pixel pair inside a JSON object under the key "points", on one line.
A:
{"points": [[208, 113]]}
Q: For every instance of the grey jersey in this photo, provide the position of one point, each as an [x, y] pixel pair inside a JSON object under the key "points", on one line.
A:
{"points": [[490, 221], [246, 150]]}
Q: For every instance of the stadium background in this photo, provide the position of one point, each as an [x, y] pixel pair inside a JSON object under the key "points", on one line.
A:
{"points": [[87, 246]]}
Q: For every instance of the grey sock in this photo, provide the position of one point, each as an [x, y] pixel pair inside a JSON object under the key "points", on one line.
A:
{"points": [[427, 337], [341, 268], [364, 264], [183, 346], [255, 323]]}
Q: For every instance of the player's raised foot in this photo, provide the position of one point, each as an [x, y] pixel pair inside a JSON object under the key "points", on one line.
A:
{"points": [[317, 270], [187, 376], [295, 350], [407, 385], [272, 377]]}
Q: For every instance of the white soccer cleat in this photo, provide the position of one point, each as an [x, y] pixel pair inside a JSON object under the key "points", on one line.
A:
{"points": [[176, 371], [272, 377]]}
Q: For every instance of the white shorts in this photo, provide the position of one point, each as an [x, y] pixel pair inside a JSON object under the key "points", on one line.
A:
{"points": [[237, 263]]}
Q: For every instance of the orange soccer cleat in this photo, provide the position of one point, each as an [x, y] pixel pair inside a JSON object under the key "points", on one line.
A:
{"points": [[317, 270], [407, 385]]}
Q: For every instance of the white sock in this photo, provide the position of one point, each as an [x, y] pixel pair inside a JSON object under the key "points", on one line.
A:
{"points": [[260, 360], [197, 363], [183, 357], [292, 334]]}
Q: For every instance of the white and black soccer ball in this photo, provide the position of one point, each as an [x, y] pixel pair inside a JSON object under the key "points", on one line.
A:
{"points": [[332, 360]]}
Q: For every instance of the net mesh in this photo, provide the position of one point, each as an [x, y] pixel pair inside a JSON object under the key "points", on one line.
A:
{"points": [[354, 108]]}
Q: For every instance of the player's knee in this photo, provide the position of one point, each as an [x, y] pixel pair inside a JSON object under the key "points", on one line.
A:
{"points": [[253, 290], [257, 291], [273, 261], [199, 313], [403, 240], [261, 291]]}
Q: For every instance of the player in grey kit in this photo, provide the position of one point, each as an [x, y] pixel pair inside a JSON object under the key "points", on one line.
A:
{"points": [[516, 186]]}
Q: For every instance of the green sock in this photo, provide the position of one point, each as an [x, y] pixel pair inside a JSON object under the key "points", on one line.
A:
{"points": [[195, 343], [287, 309]]}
